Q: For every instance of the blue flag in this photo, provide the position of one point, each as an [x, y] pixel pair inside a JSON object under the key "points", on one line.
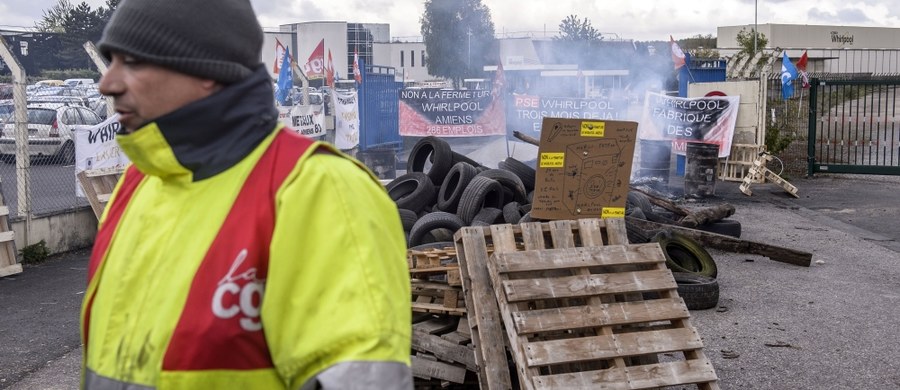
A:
{"points": [[285, 79], [788, 75]]}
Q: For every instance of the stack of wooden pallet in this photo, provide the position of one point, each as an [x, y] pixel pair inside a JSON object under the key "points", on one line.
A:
{"points": [[8, 264], [579, 307], [443, 355], [98, 185]]}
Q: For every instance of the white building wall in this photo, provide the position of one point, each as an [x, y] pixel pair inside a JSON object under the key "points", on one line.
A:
{"points": [[406, 58]]}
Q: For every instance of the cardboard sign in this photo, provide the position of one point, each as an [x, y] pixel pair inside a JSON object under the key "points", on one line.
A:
{"points": [[583, 168]]}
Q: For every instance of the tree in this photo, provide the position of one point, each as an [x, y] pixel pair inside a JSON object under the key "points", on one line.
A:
{"points": [[53, 17], [76, 25], [574, 29], [745, 41], [700, 46], [459, 38]]}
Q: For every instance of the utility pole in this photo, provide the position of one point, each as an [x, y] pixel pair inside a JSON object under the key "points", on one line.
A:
{"points": [[755, 23]]}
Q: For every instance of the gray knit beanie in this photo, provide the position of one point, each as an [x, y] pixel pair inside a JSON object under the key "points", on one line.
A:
{"points": [[214, 39]]}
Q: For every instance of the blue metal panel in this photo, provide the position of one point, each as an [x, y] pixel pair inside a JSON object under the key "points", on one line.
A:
{"points": [[379, 101], [700, 71]]}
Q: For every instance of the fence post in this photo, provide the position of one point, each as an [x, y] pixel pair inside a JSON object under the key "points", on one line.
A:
{"points": [[23, 160], [811, 127], [101, 65]]}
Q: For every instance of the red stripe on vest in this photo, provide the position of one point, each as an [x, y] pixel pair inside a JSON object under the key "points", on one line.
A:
{"points": [[220, 324], [130, 181]]}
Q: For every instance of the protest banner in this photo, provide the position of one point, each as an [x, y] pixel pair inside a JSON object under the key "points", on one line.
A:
{"points": [[451, 113], [706, 119], [96, 148], [526, 112], [346, 119], [308, 120]]}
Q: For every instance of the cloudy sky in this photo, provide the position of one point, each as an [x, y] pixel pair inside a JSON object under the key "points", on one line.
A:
{"points": [[638, 19]]}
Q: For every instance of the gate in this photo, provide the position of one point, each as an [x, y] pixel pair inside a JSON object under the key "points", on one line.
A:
{"points": [[379, 104], [854, 127]]}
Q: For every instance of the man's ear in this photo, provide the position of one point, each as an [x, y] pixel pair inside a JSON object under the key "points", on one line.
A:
{"points": [[211, 85]]}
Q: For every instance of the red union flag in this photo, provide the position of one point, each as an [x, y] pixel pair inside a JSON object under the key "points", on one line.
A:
{"points": [[315, 66], [356, 73], [329, 71], [279, 56], [677, 54]]}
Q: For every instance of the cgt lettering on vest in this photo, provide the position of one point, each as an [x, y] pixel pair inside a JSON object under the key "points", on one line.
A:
{"points": [[104, 134], [239, 294]]}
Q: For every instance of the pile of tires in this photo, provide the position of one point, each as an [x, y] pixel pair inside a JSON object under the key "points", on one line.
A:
{"points": [[444, 191]]}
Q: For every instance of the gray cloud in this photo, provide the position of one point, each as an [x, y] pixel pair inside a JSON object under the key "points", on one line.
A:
{"points": [[844, 16]]}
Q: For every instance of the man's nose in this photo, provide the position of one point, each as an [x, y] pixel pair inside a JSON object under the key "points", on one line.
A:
{"points": [[110, 82]]}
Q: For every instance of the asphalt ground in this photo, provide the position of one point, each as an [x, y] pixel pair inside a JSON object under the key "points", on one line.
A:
{"points": [[778, 326]]}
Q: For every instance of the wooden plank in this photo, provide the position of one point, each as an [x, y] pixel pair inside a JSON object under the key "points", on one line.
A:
{"points": [[788, 187], [4, 211], [472, 253], [731, 244], [460, 339], [434, 325], [444, 350], [437, 308], [7, 236], [104, 197], [635, 377], [10, 270], [607, 314], [582, 349], [580, 257], [588, 285], [428, 369]]}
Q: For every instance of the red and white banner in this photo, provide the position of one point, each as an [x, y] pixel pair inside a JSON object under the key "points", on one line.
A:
{"points": [[315, 65], [708, 119], [453, 113], [279, 56], [356, 73], [329, 71], [677, 54]]}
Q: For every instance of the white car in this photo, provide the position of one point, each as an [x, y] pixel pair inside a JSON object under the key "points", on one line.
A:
{"points": [[49, 131]]}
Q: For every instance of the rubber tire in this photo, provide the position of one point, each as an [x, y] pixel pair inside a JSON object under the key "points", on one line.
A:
{"points": [[639, 201], [522, 170], [698, 292], [433, 221], [408, 218], [453, 186], [481, 192], [728, 227], [435, 150], [489, 215], [509, 181], [683, 254], [412, 191], [512, 213]]}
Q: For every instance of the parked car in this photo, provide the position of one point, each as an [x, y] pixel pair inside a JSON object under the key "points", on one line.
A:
{"points": [[49, 131]]}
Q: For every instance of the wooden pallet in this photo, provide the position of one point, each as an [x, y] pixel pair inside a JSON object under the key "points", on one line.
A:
{"points": [[438, 265], [759, 174], [442, 352], [738, 164], [632, 341], [98, 186], [437, 298], [8, 264]]}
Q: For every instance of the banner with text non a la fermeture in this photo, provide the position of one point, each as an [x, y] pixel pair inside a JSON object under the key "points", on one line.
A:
{"points": [[681, 120], [451, 113], [525, 113]]}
